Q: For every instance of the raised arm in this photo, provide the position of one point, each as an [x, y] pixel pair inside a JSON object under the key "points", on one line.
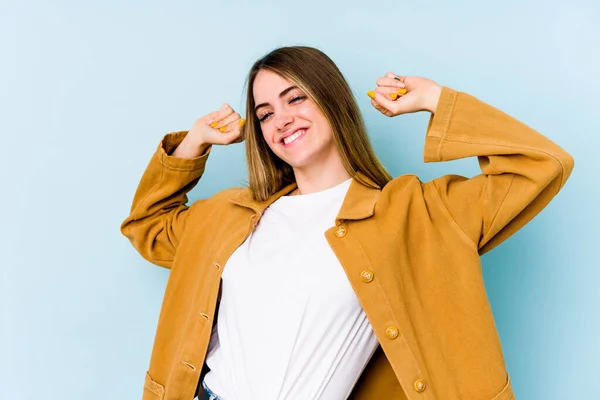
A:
{"points": [[521, 169], [159, 212]]}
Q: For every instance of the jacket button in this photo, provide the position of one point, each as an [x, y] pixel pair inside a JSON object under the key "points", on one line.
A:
{"points": [[340, 231], [366, 276], [391, 332], [419, 385]]}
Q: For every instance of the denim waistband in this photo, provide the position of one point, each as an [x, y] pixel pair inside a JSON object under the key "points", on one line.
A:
{"points": [[211, 395]]}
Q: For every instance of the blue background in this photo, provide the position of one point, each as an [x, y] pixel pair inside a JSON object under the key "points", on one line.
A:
{"points": [[88, 90]]}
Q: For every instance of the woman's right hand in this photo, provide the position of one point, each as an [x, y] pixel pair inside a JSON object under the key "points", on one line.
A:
{"points": [[223, 127]]}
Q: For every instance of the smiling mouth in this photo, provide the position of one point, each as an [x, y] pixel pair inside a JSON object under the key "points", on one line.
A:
{"points": [[292, 138]]}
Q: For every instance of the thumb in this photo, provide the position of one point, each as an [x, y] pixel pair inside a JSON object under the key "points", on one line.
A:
{"points": [[234, 136], [381, 103]]}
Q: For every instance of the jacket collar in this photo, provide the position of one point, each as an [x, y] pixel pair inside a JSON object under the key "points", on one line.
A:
{"points": [[359, 202]]}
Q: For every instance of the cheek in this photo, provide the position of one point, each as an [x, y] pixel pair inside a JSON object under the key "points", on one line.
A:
{"points": [[268, 135], [308, 112], [318, 119]]}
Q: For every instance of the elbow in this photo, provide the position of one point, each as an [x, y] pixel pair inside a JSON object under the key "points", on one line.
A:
{"points": [[567, 163], [149, 241], [127, 229]]}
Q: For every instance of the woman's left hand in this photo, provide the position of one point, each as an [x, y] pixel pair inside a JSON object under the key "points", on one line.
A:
{"points": [[397, 94]]}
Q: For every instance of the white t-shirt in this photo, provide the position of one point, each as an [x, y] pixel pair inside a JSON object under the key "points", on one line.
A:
{"points": [[290, 326]]}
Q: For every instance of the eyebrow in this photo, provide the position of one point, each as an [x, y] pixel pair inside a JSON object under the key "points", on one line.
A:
{"points": [[286, 91]]}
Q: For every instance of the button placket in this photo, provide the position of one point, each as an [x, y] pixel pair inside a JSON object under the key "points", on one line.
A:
{"points": [[357, 264], [190, 353]]}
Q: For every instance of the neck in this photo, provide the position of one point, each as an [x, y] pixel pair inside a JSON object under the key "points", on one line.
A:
{"points": [[313, 180]]}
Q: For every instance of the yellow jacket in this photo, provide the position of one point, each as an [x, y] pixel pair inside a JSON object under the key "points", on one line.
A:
{"points": [[411, 251]]}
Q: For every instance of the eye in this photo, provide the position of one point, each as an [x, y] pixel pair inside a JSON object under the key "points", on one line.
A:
{"points": [[264, 117], [297, 98]]}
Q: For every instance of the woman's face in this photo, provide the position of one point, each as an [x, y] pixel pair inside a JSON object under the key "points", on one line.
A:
{"points": [[292, 124]]}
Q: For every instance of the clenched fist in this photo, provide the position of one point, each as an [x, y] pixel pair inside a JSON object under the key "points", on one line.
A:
{"points": [[397, 95], [223, 127]]}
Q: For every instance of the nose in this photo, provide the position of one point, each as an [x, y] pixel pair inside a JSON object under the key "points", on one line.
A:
{"points": [[283, 119]]}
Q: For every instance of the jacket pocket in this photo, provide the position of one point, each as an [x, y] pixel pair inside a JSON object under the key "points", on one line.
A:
{"points": [[506, 393], [153, 390]]}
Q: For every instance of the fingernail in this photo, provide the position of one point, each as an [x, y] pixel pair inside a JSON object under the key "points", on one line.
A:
{"points": [[396, 78], [242, 122], [401, 91], [371, 94], [393, 96], [214, 124], [223, 128]]}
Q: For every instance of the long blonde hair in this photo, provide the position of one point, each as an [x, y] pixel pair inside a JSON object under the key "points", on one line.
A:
{"points": [[320, 79]]}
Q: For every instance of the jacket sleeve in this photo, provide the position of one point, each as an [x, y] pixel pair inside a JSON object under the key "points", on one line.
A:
{"points": [[521, 169], [159, 211]]}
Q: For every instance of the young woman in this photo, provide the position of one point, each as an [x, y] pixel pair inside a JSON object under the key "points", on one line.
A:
{"points": [[331, 280]]}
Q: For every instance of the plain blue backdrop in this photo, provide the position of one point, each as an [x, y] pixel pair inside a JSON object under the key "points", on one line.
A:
{"points": [[87, 90]]}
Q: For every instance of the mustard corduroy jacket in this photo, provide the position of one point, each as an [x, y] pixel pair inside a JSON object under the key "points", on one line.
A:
{"points": [[411, 251]]}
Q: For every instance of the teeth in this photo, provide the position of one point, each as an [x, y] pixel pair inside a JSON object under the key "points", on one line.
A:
{"points": [[295, 136]]}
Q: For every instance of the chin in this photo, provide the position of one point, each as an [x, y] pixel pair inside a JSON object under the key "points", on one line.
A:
{"points": [[297, 162]]}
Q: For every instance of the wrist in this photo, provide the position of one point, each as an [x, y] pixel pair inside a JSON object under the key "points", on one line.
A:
{"points": [[433, 97], [189, 149]]}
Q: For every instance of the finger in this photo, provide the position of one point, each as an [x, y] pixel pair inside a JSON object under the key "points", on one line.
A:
{"points": [[236, 124], [241, 137], [235, 134], [222, 124], [391, 92], [377, 100], [395, 76], [218, 115], [384, 102], [391, 82], [380, 108]]}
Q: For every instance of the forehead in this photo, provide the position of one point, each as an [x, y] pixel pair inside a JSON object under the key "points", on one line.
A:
{"points": [[268, 85]]}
